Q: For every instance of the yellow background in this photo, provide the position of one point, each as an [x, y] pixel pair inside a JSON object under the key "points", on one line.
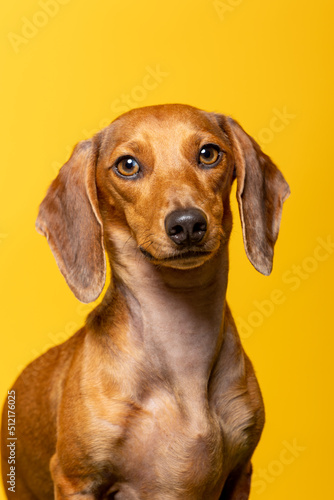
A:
{"points": [[252, 59]]}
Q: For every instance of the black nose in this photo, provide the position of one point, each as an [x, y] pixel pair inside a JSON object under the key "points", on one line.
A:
{"points": [[186, 227]]}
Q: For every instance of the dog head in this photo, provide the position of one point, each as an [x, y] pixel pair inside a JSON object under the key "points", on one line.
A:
{"points": [[157, 181]]}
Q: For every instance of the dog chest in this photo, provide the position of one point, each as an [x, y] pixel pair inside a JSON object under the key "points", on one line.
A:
{"points": [[162, 448]]}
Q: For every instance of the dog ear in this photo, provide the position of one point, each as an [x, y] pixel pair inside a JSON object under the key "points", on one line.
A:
{"points": [[69, 217], [261, 192]]}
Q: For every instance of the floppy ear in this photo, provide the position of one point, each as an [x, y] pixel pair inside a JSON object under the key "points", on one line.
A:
{"points": [[261, 192], [69, 217]]}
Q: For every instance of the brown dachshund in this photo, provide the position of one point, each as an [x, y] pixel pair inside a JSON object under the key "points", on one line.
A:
{"points": [[154, 398]]}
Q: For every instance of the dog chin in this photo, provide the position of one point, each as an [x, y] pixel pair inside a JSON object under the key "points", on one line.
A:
{"points": [[185, 260], [185, 263]]}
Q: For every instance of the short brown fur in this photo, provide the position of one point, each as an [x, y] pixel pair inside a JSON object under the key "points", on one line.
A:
{"points": [[154, 398]]}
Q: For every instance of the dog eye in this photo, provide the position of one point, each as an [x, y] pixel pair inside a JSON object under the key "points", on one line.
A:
{"points": [[127, 166], [209, 155]]}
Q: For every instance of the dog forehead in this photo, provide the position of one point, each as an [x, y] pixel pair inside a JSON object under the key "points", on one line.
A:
{"points": [[165, 118], [164, 112], [162, 125]]}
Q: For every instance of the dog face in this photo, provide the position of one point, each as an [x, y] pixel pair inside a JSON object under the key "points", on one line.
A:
{"points": [[158, 180], [164, 177]]}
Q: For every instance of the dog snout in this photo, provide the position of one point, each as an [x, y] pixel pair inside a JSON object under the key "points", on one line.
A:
{"points": [[186, 227]]}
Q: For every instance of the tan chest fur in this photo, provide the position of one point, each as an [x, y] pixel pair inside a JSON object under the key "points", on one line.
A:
{"points": [[162, 445]]}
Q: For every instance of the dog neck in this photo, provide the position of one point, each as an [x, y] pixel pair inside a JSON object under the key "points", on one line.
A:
{"points": [[175, 316]]}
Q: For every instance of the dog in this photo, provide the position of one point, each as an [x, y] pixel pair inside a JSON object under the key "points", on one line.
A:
{"points": [[154, 398]]}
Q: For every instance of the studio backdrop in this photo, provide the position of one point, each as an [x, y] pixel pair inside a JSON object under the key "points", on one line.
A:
{"points": [[69, 68]]}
